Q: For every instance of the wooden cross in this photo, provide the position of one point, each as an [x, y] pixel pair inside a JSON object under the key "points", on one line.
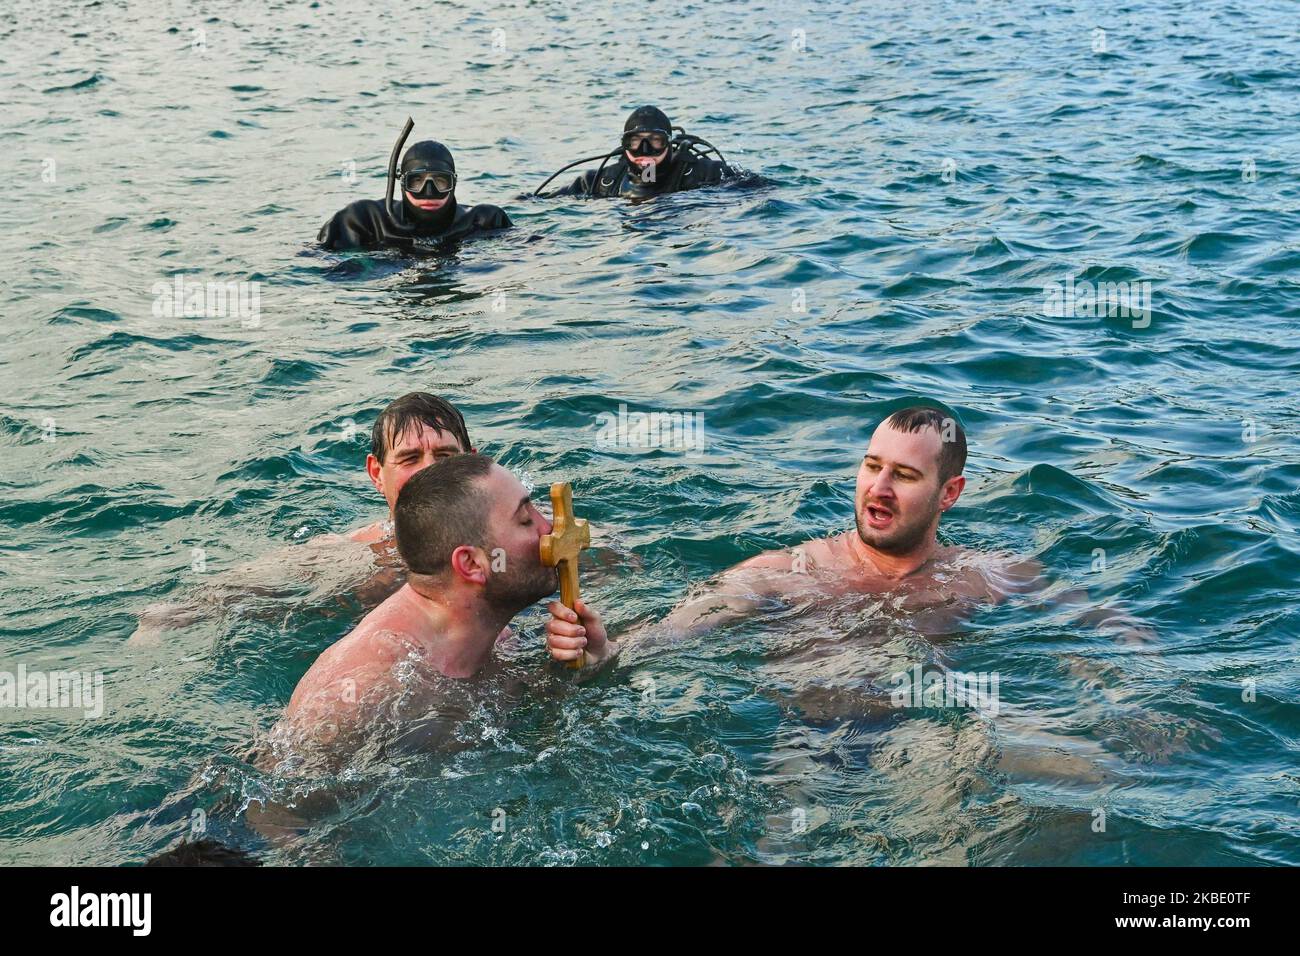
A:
{"points": [[569, 535]]}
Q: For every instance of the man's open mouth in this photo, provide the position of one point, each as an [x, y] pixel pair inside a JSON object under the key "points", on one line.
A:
{"points": [[878, 517]]}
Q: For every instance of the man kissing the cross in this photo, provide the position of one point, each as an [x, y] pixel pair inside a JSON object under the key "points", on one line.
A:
{"points": [[470, 537]]}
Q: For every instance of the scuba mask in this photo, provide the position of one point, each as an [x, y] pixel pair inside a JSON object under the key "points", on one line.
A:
{"points": [[428, 183], [646, 142]]}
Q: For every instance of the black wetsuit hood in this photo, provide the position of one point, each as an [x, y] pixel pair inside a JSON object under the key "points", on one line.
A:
{"points": [[428, 154], [649, 119], [646, 118]]}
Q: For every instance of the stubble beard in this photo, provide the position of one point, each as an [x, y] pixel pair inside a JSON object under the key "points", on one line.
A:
{"points": [[512, 592], [904, 538]]}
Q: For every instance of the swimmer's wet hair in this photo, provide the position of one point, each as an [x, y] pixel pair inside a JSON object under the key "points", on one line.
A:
{"points": [[441, 508], [416, 408], [952, 451]]}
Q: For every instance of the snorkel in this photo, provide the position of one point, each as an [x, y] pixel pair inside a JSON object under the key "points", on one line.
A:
{"points": [[392, 168]]}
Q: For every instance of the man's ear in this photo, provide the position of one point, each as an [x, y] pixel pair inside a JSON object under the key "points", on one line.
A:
{"points": [[952, 489], [470, 564], [372, 469]]}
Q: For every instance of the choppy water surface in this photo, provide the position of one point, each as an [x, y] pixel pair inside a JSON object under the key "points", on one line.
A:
{"points": [[928, 169]]}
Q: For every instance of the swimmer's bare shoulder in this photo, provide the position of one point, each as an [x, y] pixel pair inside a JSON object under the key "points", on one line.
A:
{"points": [[156, 620], [767, 561], [766, 573], [772, 572], [826, 554], [991, 576], [355, 668]]}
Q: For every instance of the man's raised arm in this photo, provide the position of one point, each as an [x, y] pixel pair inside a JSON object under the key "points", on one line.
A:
{"points": [[739, 592]]}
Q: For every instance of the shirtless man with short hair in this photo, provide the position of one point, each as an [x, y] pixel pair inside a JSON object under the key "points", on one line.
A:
{"points": [[911, 474], [469, 534], [411, 433]]}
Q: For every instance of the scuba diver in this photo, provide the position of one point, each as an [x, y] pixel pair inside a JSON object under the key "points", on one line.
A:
{"points": [[651, 161], [427, 213]]}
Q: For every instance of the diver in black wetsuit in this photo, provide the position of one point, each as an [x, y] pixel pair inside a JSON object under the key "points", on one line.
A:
{"points": [[651, 161], [429, 212]]}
